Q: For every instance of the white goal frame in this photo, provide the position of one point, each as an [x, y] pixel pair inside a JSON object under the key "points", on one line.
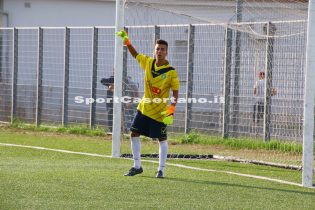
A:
{"points": [[308, 128]]}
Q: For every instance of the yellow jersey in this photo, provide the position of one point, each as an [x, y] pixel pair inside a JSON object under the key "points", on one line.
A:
{"points": [[157, 84]]}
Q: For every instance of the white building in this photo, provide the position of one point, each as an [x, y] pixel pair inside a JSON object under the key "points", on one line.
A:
{"points": [[53, 13]]}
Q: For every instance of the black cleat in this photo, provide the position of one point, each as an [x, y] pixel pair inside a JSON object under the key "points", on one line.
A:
{"points": [[134, 171], [160, 174]]}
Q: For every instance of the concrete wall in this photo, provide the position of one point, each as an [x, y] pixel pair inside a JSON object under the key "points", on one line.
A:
{"points": [[59, 13], [28, 13], [54, 13], [1, 16]]}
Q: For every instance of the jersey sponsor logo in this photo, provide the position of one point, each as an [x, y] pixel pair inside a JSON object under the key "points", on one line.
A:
{"points": [[156, 90]]}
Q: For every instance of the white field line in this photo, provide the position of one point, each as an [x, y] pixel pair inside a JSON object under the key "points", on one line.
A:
{"points": [[151, 161], [55, 150]]}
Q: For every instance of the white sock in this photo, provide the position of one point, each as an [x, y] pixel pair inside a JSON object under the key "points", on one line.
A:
{"points": [[136, 146], [162, 155]]}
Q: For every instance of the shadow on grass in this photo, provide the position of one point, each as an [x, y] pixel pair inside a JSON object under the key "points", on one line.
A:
{"points": [[213, 183]]}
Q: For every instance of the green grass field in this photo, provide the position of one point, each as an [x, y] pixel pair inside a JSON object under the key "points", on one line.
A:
{"points": [[40, 179]]}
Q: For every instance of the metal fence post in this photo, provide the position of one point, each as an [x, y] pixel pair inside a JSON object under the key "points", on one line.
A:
{"points": [[157, 32], [268, 80], [125, 57], [189, 77], [15, 73], [227, 81], [39, 77], [66, 78], [94, 77], [125, 82], [1, 56], [236, 99]]}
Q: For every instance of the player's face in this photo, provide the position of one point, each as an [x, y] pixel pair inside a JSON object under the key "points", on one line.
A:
{"points": [[160, 51], [261, 76]]}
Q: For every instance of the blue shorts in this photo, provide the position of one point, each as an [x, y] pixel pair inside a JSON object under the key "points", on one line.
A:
{"points": [[146, 126]]}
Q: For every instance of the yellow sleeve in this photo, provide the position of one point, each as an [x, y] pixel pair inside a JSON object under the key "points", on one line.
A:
{"points": [[143, 60], [175, 81]]}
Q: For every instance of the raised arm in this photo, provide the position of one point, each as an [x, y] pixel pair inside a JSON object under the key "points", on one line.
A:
{"points": [[132, 50], [124, 36]]}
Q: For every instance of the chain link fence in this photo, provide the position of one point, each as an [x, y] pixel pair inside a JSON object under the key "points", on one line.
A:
{"points": [[52, 76]]}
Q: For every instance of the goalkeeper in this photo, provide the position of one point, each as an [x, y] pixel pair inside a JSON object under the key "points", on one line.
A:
{"points": [[153, 112]]}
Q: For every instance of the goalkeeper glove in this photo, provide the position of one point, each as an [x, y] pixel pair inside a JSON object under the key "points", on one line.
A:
{"points": [[123, 35], [169, 113]]}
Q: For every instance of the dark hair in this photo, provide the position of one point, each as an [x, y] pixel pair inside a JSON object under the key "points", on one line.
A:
{"points": [[107, 81], [161, 41]]}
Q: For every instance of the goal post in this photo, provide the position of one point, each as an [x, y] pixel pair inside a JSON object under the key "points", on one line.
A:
{"points": [[118, 75], [308, 130]]}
